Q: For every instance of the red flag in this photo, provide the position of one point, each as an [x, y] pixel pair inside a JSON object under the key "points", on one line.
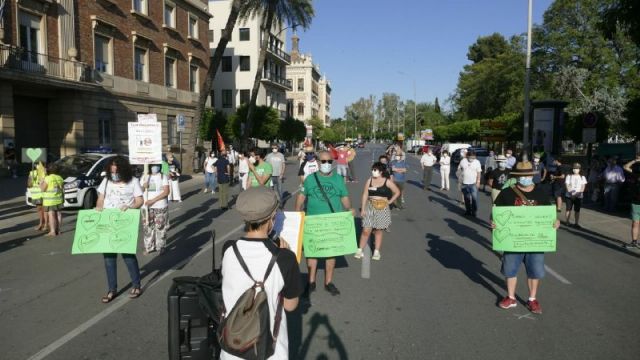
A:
{"points": [[220, 141]]}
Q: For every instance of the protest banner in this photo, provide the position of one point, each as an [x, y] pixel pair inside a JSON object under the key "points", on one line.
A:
{"points": [[31, 155], [147, 118], [288, 225], [145, 143], [524, 228], [106, 231], [329, 235]]}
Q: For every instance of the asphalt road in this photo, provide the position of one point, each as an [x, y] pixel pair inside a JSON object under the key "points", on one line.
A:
{"points": [[432, 296]]}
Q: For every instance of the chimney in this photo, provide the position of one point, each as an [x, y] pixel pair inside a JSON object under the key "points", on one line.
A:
{"points": [[295, 42]]}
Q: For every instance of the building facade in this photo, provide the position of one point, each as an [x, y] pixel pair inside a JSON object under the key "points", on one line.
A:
{"points": [[235, 78], [73, 73], [310, 96]]}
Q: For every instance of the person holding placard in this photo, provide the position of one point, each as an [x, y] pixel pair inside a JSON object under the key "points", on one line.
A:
{"points": [[156, 222], [575, 184], [120, 190], [53, 198], [633, 168], [36, 177], [524, 193]]}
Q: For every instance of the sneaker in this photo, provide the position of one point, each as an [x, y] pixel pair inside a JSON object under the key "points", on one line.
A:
{"points": [[332, 289], [213, 192], [312, 287], [376, 255], [508, 303], [204, 191], [534, 306], [359, 254], [633, 244]]}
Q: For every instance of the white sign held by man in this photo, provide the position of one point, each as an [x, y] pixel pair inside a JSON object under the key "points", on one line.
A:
{"points": [[145, 143]]}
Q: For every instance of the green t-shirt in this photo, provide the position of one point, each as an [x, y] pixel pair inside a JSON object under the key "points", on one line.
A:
{"points": [[262, 169], [334, 187]]}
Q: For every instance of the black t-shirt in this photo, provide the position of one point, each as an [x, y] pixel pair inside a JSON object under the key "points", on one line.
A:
{"points": [[634, 187], [221, 168], [560, 171], [499, 177], [536, 197]]}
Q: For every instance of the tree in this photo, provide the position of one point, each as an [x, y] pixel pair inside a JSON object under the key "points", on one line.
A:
{"points": [[266, 123], [622, 16], [487, 47], [318, 126], [436, 106], [292, 130], [212, 122], [292, 12]]}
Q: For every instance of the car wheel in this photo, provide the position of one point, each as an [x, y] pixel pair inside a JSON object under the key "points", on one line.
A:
{"points": [[90, 199]]}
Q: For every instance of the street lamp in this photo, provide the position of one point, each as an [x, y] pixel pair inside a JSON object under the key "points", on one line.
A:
{"points": [[525, 130]]}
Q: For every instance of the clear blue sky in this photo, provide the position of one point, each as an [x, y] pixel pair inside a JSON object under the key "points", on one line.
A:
{"points": [[362, 45]]}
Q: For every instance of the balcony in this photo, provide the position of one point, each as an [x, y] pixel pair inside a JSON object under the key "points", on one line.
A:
{"points": [[273, 79], [279, 53], [22, 60]]}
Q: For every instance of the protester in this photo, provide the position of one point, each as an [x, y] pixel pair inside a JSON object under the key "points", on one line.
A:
{"points": [[36, 177], [575, 184], [471, 171], [155, 220], [445, 170], [301, 156], [277, 161], [498, 177], [593, 178], [557, 185], [257, 208], [53, 198], [427, 161], [633, 168], [324, 192], [210, 173], [352, 172], [10, 158], [223, 171], [243, 170], [342, 161], [511, 160], [309, 166], [378, 193], [260, 171], [232, 156], [489, 165], [524, 193], [174, 179], [399, 169], [120, 190], [539, 169], [613, 178]]}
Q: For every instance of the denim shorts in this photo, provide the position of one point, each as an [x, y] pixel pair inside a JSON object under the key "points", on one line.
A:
{"points": [[533, 263]]}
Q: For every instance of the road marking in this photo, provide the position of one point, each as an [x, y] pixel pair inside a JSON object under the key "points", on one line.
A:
{"points": [[560, 278], [525, 316], [365, 272]]}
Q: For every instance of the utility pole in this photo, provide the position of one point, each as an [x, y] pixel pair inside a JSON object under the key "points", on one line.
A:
{"points": [[527, 101], [415, 111]]}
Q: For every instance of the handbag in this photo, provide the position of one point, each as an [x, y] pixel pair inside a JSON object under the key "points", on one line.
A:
{"points": [[315, 176]]}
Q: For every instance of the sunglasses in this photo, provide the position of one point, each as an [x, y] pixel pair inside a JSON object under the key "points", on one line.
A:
{"points": [[326, 161]]}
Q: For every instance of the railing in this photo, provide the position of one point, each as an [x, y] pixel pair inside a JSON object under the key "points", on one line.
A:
{"points": [[276, 79], [280, 53], [16, 58]]}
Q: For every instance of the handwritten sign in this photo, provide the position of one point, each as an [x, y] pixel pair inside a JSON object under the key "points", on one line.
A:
{"points": [[524, 228], [288, 225], [106, 231], [145, 143], [329, 235]]}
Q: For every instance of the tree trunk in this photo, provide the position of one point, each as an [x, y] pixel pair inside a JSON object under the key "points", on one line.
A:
{"points": [[205, 90], [258, 78]]}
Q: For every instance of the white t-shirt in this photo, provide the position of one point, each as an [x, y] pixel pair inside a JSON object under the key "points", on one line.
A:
{"points": [[470, 170], [243, 165], [232, 156], [119, 194], [156, 183], [428, 160], [276, 160], [574, 184], [309, 168], [209, 164], [445, 161]]}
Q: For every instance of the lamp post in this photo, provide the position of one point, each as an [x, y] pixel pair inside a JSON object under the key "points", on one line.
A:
{"points": [[525, 130]]}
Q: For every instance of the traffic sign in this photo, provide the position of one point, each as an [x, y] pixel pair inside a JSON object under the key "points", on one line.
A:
{"points": [[180, 123], [590, 120]]}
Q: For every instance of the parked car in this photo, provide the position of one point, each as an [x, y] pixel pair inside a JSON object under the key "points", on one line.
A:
{"points": [[416, 149], [481, 155]]}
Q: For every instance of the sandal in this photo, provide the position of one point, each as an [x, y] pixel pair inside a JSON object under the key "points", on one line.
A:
{"points": [[135, 293], [109, 297]]}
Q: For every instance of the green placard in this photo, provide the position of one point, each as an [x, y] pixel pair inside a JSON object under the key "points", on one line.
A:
{"points": [[106, 231], [524, 228], [329, 235]]}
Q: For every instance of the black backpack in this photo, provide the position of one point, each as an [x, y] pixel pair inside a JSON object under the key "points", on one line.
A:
{"points": [[245, 331]]}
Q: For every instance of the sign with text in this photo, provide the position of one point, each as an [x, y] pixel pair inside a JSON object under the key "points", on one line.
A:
{"points": [[524, 228], [147, 118], [329, 235], [145, 143], [181, 123], [106, 231], [288, 226]]}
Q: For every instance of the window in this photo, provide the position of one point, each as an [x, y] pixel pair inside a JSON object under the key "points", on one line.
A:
{"points": [[193, 27], [141, 6], [169, 14], [226, 64], [227, 98], [210, 35], [140, 68], [245, 63], [300, 109], [245, 34], [105, 119], [172, 130], [193, 78], [30, 36], [245, 96], [300, 84], [103, 54], [169, 72]]}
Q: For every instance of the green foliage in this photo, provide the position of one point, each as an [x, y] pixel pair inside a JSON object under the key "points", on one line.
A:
{"points": [[266, 123], [292, 130], [212, 121], [436, 106], [318, 127], [487, 47], [622, 16]]}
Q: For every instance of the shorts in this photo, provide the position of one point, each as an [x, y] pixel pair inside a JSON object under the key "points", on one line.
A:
{"points": [[574, 201], [635, 212], [533, 263], [342, 169], [557, 190], [54, 207]]}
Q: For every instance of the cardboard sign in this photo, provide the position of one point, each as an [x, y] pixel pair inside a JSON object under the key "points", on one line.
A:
{"points": [[289, 226], [145, 143], [106, 231], [524, 228], [329, 235]]}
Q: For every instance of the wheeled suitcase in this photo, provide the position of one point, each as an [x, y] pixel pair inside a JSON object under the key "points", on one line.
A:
{"points": [[191, 332]]}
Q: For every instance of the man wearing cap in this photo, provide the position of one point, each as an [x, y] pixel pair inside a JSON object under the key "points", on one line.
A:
{"points": [[498, 177], [471, 172], [257, 207], [524, 193], [325, 192], [276, 159]]}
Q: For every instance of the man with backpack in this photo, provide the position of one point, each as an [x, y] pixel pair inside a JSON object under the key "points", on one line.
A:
{"points": [[260, 279]]}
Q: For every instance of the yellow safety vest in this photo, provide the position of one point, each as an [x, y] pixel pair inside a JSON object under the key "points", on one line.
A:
{"points": [[36, 193], [54, 195]]}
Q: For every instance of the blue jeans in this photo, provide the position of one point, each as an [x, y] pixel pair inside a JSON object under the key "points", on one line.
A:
{"points": [[111, 266], [470, 193], [277, 186], [210, 181]]}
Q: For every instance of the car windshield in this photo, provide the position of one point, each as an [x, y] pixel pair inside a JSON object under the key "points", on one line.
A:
{"points": [[76, 165]]}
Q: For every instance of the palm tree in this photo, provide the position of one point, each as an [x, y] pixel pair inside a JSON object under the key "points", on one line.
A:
{"points": [[292, 12]]}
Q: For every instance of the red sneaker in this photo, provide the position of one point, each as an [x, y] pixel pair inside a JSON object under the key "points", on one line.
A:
{"points": [[534, 306], [508, 303]]}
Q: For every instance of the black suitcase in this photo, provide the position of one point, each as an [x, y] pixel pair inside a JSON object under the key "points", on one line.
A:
{"points": [[191, 330]]}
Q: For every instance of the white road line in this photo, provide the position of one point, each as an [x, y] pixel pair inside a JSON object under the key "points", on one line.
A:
{"points": [[560, 278], [365, 271]]}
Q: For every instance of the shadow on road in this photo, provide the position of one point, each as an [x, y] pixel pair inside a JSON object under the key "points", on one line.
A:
{"points": [[609, 243], [335, 347]]}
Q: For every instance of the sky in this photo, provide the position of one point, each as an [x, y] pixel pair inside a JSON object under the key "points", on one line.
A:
{"points": [[371, 46]]}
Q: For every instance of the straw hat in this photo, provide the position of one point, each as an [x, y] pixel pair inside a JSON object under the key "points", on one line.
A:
{"points": [[523, 168]]}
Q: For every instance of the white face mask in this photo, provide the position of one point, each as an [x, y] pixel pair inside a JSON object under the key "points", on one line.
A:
{"points": [[576, 171], [274, 150], [536, 160], [375, 173], [325, 168], [252, 159], [398, 158]]}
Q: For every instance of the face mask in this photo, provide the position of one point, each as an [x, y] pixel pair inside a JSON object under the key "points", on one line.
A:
{"points": [[274, 150], [384, 161], [375, 173], [310, 158], [155, 169], [536, 160], [525, 181], [398, 158], [576, 171], [252, 160], [472, 158], [502, 165], [115, 177], [325, 168]]}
